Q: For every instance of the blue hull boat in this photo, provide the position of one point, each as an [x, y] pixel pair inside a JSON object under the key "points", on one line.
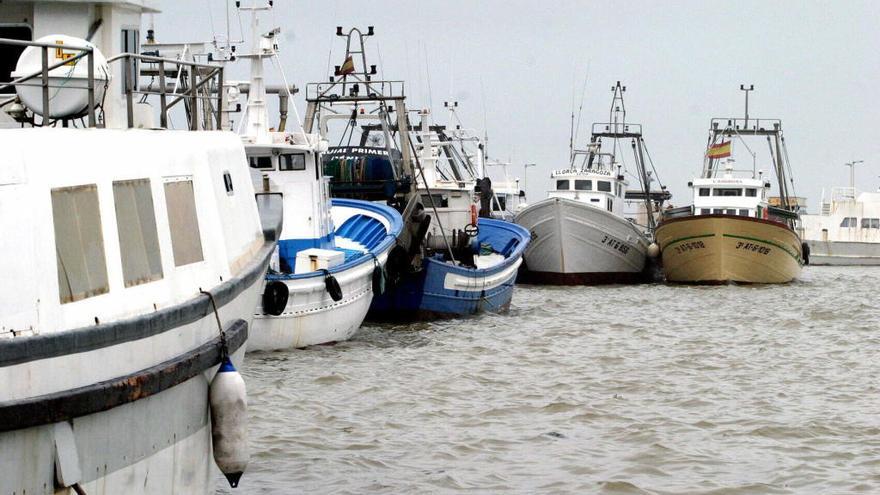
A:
{"points": [[445, 290]]}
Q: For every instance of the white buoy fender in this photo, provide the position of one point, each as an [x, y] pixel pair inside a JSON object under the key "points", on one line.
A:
{"points": [[228, 398], [653, 250]]}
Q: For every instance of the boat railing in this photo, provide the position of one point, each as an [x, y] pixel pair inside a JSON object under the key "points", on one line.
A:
{"points": [[353, 91], [733, 125], [617, 129], [843, 193], [193, 83]]}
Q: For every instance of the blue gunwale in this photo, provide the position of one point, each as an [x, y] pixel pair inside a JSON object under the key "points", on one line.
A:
{"points": [[513, 230], [387, 212]]}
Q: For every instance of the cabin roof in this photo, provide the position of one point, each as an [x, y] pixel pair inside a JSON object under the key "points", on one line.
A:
{"points": [[146, 6]]}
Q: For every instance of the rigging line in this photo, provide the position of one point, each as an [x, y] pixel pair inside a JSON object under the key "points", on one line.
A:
{"points": [[581, 106], [302, 130], [211, 19], [651, 161], [788, 165]]}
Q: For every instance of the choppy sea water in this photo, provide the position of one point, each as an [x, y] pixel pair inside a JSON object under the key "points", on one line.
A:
{"points": [[649, 389]]}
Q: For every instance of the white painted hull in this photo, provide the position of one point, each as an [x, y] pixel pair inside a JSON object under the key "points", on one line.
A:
{"points": [[311, 316], [841, 253], [573, 242], [160, 444]]}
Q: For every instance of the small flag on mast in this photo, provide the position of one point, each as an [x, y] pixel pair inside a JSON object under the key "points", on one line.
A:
{"points": [[720, 150], [347, 67]]}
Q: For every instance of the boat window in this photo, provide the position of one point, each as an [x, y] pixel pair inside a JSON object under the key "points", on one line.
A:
{"points": [[138, 239], [619, 189], [9, 54], [227, 183], [870, 223], [583, 185], [743, 213], [730, 212], [439, 201], [594, 200], [79, 243], [603, 185], [295, 161], [717, 211], [610, 204], [562, 185], [704, 191], [705, 211], [727, 191], [261, 162], [186, 242], [499, 203], [751, 192], [848, 222]]}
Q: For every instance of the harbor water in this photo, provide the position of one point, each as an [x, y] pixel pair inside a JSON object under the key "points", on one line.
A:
{"points": [[613, 390]]}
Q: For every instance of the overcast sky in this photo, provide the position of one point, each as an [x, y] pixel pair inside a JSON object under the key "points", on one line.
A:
{"points": [[814, 65]]}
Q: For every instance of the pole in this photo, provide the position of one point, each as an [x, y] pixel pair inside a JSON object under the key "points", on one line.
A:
{"points": [[751, 88], [525, 176]]}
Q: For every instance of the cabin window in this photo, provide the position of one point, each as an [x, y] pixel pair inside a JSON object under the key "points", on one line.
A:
{"points": [[751, 192], [727, 191], [583, 185], [261, 162], [562, 185], [138, 239], [603, 185], [434, 200], [130, 44], [499, 203], [9, 54], [705, 211], [610, 204], [730, 211], [848, 222], [227, 183], [186, 242], [293, 162], [871, 223], [704, 191], [594, 200], [718, 211], [79, 243], [743, 213]]}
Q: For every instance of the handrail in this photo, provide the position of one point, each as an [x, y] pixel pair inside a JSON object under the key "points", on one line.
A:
{"points": [[200, 76]]}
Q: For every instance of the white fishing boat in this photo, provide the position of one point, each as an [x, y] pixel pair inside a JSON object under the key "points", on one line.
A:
{"points": [[132, 257], [580, 234], [846, 231], [332, 253]]}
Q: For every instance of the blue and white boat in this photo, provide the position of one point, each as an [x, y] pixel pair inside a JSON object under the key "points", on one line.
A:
{"points": [[331, 254], [448, 261]]}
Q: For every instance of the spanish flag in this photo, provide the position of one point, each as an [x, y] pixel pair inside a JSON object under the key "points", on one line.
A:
{"points": [[720, 150], [347, 67]]}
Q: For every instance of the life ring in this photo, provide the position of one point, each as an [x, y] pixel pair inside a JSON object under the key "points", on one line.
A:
{"points": [[275, 298]]}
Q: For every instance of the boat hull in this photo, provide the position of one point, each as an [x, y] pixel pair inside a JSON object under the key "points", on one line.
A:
{"points": [[443, 290], [574, 243], [134, 416], [842, 253], [726, 248], [311, 316]]}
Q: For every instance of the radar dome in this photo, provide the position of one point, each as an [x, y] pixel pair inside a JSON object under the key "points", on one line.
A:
{"points": [[68, 83]]}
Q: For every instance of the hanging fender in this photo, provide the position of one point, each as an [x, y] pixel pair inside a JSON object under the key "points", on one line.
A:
{"points": [[805, 249], [275, 297], [332, 286], [228, 398], [379, 277]]}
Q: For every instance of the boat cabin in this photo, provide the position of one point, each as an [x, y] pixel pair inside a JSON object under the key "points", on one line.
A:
{"points": [[847, 216], [597, 187], [729, 195]]}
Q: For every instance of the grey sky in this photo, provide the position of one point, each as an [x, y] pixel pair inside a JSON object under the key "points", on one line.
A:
{"points": [[814, 65]]}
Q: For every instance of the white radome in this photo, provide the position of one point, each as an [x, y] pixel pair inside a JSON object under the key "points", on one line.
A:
{"points": [[68, 84]]}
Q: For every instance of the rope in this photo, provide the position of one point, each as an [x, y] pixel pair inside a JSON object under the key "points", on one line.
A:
{"points": [[224, 350]]}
